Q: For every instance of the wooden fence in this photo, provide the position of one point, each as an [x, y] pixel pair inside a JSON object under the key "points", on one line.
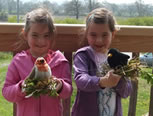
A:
{"points": [[129, 39]]}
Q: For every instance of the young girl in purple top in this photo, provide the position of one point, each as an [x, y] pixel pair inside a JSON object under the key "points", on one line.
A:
{"points": [[98, 95], [38, 36]]}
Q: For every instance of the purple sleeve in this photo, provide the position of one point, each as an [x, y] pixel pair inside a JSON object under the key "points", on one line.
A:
{"points": [[84, 81], [12, 86], [124, 88], [66, 80]]}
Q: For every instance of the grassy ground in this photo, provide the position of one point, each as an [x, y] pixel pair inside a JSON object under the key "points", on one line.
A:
{"points": [[143, 99], [6, 108]]}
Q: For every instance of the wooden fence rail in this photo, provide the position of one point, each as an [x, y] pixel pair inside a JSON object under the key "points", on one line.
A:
{"points": [[129, 39]]}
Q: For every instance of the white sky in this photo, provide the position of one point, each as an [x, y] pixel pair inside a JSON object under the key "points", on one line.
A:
{"points": [[110, 1], [128, 1]]}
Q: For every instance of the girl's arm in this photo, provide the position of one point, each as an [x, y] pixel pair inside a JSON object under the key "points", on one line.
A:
{"points": [[12, 86], [84, 81], [124, 88], [65, 77]]}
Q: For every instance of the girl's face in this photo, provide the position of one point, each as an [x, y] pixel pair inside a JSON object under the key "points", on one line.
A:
{"points": [[39, 39], [99, 37]]}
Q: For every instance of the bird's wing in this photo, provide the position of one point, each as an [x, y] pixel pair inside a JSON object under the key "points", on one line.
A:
{"points": [[32, 73]]}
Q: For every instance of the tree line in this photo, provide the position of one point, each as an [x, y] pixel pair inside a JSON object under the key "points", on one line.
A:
{"points": [[77, 8]]}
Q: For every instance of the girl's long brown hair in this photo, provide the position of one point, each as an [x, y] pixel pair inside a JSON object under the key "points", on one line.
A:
{"points": [[40, 15], [98, 16]]}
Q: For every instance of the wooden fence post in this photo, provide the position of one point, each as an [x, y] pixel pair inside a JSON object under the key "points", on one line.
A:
{"points": [[151, 98], [14, 109], [151, 102], [66, 102], [133, 97]]}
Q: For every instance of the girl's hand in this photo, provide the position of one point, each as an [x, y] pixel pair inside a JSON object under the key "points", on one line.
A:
{"points": [[109, 80], [58, 84], [22, 86]]}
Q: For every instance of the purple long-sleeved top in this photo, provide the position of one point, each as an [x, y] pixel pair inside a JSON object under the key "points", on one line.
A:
{"points": [[88, 85], [20, 68]]}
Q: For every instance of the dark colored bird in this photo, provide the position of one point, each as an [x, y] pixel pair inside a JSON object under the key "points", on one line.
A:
{"points": [[116, 58]]}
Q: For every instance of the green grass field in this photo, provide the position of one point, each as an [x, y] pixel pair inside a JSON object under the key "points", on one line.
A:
{"points": [[6, 108]]}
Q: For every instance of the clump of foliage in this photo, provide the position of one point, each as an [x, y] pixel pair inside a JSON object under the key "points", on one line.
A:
{"points": [[130, 71], [5, 55], [139, 21], [3, 16], [68, 21], [35, 87], [12, 19]]}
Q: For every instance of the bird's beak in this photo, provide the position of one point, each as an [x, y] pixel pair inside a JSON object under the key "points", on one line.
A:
{"points": [[110, 55]]}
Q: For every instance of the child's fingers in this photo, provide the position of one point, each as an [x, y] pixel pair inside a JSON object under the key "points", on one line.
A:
{"points": [[58, 84], [112, 74]]}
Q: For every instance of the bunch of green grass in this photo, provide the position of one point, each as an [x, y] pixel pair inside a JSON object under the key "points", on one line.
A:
{"points": [[5, 56], [68, 21], [139, 21], [6, 108]]}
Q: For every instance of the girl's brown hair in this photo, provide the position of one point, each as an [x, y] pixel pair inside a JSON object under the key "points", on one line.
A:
{"points": [[98, 16], [40, 15]]}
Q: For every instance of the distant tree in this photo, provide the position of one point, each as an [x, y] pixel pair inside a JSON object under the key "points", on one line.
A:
{"points": [[11, 6], [1, 5], [76, 5], [73, 8], [140, 7], [3, 16], [55, 8], [92, 4], [27, 7], [143, 9], [68, 8], [132, 10]]}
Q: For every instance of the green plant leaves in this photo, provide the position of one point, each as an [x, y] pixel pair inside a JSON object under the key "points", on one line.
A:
{"points": [[36, 88]]}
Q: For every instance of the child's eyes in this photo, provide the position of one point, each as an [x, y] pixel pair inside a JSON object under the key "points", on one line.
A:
{"points": [[46, 36], [105, 35], [34, 35], [93, 35]]}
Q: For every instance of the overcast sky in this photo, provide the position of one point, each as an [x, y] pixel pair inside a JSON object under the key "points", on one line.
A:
{"points": [[110, 1], [128, 1]]}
